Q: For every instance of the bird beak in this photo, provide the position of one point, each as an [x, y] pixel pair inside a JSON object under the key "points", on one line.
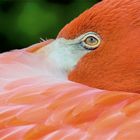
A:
{"points": [[61, 52]]}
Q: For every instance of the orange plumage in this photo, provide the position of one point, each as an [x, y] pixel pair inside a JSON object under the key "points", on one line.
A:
{"points": [[116, 61], [38, 102]]}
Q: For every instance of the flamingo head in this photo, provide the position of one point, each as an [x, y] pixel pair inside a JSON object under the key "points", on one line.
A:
{"points": [[101, 47]]}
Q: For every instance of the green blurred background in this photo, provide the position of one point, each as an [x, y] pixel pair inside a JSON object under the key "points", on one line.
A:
{"points": [[24, 22]]}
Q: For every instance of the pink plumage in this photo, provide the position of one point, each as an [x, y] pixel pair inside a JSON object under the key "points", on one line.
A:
{"points": [[37, 103]]}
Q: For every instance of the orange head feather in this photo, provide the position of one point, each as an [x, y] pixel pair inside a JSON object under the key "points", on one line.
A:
{"points": [[115, 65]]}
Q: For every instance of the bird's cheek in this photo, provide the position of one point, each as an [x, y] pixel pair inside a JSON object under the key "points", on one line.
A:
{"points": [[35, 47]]}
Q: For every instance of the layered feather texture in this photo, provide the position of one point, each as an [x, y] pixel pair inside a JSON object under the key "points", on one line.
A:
{"points": [[37, 102]]}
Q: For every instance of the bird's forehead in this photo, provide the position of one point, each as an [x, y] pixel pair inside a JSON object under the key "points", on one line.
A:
{"points": [[104, 18]]}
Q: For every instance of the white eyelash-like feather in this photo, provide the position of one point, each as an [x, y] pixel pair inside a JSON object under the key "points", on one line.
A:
{"points": [[42, 40]]}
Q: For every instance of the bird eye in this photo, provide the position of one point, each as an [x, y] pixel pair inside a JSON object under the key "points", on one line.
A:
{"points": [[91, 42]]}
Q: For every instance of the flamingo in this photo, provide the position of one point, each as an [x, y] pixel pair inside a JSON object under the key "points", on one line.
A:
{"points": [[83, 85]]}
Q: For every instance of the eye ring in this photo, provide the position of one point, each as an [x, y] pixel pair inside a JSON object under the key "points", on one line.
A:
{"points": [[91, 41]]}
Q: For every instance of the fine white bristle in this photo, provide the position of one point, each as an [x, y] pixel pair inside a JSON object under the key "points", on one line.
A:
{"points": [[42, 40]]}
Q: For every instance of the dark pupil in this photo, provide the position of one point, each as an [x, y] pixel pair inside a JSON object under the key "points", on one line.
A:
{"points": [[92, 40]]}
